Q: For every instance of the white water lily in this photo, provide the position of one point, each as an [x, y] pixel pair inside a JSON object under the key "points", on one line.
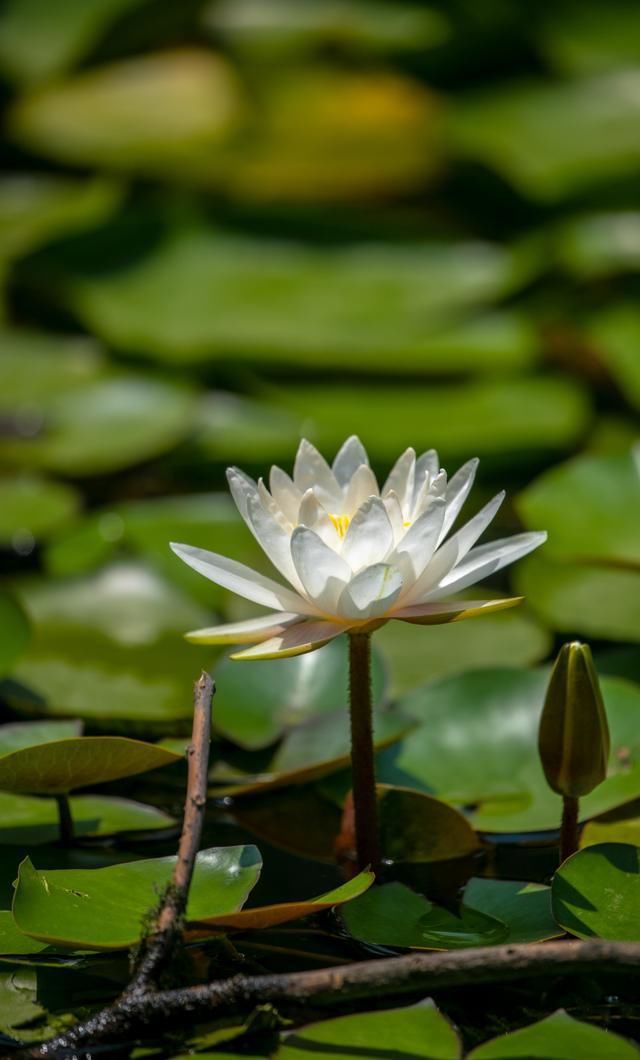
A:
{"points": [[354, 555]]}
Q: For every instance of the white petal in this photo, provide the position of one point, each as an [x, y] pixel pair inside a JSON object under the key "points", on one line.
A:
{"points": [[298, 639], [253, 631], [242, 580], [315, 516], [401, 480], [371, 593], [362, 486], [273, 539], [453, 550], [286, 495], [457, 493], [322, 571], [272, 507], [485, 560], [430, 489], [242, 487], [420, 540], [351, 455], [452, 610], [427, 464], [369, 537], [394, 511], [311, 471]]}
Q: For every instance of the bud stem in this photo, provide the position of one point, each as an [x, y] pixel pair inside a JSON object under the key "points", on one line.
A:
{"points": [[65, 820], [569, 827], [362, 752]]}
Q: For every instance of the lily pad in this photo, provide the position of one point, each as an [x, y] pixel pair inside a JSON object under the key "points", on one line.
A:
{"points": [[421, 1032], [524, 907], [614, 334], [558, 1037], [61, 766], [596, 892], [105, 908], [415, 827], [270, 915], [554, 139], [258, 704], [30, 821], [591, 508], [494, 770], [611, 828], [394, 915], [600, 244], [578, 41], [187, 300], [593, 600], [14, 632], [33, 508]]}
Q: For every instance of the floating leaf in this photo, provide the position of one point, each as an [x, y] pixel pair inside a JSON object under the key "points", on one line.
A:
{"points": [[554, 139], [591, 508], [14, 632], [188, 300], [258, 704], [600, 244], [17, 735], [35, 366], [418, 828], [61, 766], [13, 943], [420, 1032], [393, 915], [29, 821], [296, 806], [105, 908], [578, 41], [614, 334], [32, 508], [558, 1037], [524, 907], [611, 828], [585, 598], [597, 892]]}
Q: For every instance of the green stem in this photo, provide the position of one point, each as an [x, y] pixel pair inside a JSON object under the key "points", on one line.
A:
{"points": [[569, 827], [362, 753], [65, 820]]}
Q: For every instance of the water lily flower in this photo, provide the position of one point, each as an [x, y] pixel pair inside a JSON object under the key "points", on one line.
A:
{"points": [[355, 555]]}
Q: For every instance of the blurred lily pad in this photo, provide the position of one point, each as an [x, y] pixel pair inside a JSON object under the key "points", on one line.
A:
{"points": [[17, 735], [600, 244], [552, 139], [558, 1037], [394, 915], [164, 113], [275, 29], [591, 508], [32, 508], [188, 300], [105, 908], [425, 1034], [494, 768], [614, 334], [256, 705], [14, 632], [524, 907], [597, 892], [30, 821], [37, 42], [35, 366], [588, 598], [577, 40]]}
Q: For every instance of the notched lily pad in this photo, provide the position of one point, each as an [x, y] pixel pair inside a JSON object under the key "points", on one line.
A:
{"points": [[596, 892], [558, 1037]]}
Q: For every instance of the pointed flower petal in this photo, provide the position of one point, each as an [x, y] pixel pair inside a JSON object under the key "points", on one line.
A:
{"points": [[273, 539], [371, 593], [485, 560], [296, 640], [401, 480], [362, 486], [419, 542], [350, 456], [311, 470], [369, 537], [253, 631], [242, 487], [322, 571], [457, 492], [285, 494], [452, 610]]}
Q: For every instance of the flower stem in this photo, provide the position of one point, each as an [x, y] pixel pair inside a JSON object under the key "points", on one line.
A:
{"points": [[569, 827], [65, 820], [362, 754]]}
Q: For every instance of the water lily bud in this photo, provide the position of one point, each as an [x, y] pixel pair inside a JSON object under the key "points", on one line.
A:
{"points": [[573, 740]]}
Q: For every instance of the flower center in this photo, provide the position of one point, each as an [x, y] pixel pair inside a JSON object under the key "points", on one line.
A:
{"points": [[341, 523]]}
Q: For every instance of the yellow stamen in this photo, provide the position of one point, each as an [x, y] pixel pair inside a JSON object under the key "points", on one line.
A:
{"points": [[341, 523]]}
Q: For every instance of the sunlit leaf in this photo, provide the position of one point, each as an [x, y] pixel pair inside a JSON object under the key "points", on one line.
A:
{"points": [[558, 1037], [597, 892], [282, 912], [524, 907], [30, 821], [600, 244]]}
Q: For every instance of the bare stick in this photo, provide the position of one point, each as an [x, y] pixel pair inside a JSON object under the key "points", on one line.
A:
{"points": [[148, 1015], [157, 949], [362, 752]]}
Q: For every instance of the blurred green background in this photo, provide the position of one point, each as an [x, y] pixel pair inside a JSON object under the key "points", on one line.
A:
{"points": [[224, 224]]}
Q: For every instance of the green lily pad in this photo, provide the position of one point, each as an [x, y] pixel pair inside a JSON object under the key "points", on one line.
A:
{"points": [[600, 244], [263, 818], [613, 334], [394, 915], [488, 418], [282, 912], [611, 828], [30, 821], [558, 1037], [37, 43], [420, 1032], [593, 600], [105, 908], [61, 766], [476, 746], [596, 892], [258, 704], [415, 827], [35, 366], [524, 907], [415, 655], [164, 113], [591, 508], [578, 41], [19, 1003], [14, 631], [32, 508], [554, 139], [187, 301], [17, 735], [13, 942]]}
